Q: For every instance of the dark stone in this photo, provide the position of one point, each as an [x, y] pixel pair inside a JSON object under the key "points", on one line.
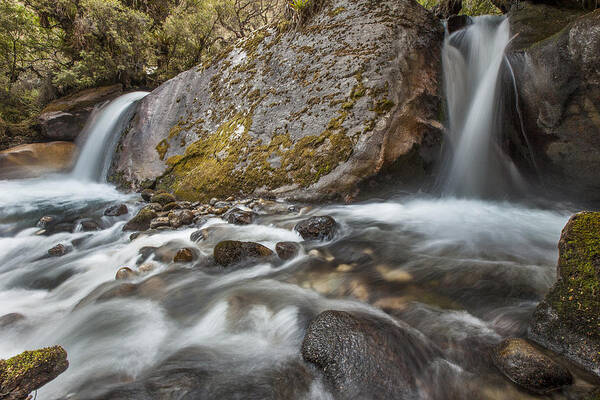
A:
{"points": [[66, 227], [46, 222], [163, 198], [197, 236], [317, 228], [185, 255], [287, 250], [526, 366], [567, 321], [363, 356], [141, 221], [30, 370], [89, 225], [237, 216], [158, 222], [59, 250], [231, 252], [447, 8], [116, 211], [171, 206], [10, 319], [458, 22], [180, 218], [147, 194], [154, 207]]}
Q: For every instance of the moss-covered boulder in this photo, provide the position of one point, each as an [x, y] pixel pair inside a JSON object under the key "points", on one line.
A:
{"points": [[63, 119], [141, 221], [231, 252], [568, 320], [555, 57], [305, 112], [30, 370]]}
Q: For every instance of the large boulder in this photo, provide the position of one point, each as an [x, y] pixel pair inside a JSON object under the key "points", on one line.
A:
{"points": [[568, 320], [365, 357], [32, 160], [305, 113], [30, 370], [64, 118], [557, 69]]}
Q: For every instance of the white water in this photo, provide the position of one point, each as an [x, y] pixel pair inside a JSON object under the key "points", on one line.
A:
{"points": [[101, 136], [472, 60]]}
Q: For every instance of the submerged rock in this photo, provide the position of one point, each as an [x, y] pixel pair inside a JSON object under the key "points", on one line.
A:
{"points": [[317, 228], [30, 370], [141, 221], [231, 252], [11, 319], [365, 357], [237, 216], [59, 250], [528, 367], [354, 102], [287, 250], [568, 320], [125, 273], [185, 255], [116, 211]]}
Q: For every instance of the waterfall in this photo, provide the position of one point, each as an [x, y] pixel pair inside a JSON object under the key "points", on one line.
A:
{"points": [[476, 165], [101, 135]]}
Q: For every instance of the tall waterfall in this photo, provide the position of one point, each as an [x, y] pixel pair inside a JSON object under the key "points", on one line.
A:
{"points": [[476, 165], [101, 135]]}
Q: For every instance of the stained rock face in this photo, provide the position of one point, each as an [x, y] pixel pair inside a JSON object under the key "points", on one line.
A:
{"points": [[63, 119], [30, 370], [528, 367], [558, 79], [568, 320], [354, 91], [32, 160], [365, 357]]}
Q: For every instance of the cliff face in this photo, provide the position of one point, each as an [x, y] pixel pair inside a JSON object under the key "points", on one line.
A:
{"points": [[304, 113]]}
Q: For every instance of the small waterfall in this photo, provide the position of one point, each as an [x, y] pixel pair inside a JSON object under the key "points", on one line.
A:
{"points": [[101, 135], [476, 165]]}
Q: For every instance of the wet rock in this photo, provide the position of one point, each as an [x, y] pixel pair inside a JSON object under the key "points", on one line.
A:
{"points": [[185, 255], [163, 199], [59, 250], [317, 228], [8, 320], [526, 366], [146, 268], [89, 225], [147, 195], [447, 8], [30, 370], [64, 118], [366, 357], [36, 159], [158, 222], [180, 218], [141, 221], [116, 211], [213, 201], [237, 216], [154, 207], [287, 250], [567, 321], [458, 22], [46, 221], [197, 236], [231, 252], [66, 227], [125, 273], [171, 206]]}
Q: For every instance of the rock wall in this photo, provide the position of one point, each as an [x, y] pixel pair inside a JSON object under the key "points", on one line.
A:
{"points": [[558, 79], [304, 113]]}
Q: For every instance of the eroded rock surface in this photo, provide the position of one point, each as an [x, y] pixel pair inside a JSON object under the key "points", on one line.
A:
{"points": [[305, 113]]}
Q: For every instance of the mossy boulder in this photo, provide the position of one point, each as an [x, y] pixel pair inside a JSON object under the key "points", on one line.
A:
{"points": [[30, 370], [568, 320], [64, 118], [317, 228], [163, 199], [555, 57], [231, 252], [305, 113], [141, 221]]}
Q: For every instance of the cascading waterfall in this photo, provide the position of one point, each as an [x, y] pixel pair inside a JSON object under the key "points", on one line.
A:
{"points": [[101, 134], [476, 165]]}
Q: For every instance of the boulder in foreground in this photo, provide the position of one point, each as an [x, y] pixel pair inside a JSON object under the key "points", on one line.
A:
{"points": [[30, 370]]}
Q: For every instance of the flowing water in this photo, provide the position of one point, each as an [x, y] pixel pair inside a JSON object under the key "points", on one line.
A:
{"points": [[466, 273]]}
